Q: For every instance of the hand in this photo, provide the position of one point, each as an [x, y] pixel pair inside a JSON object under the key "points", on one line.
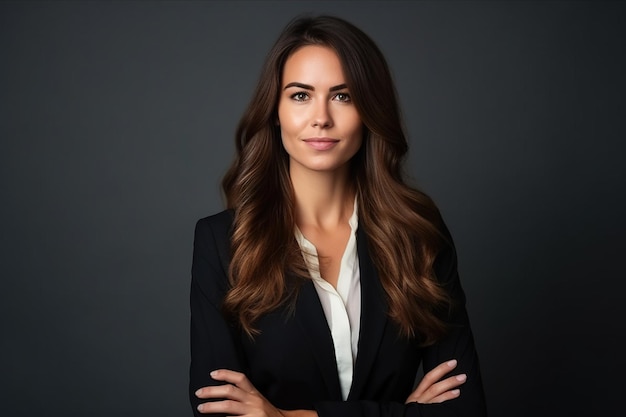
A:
{"points": [[237, 397], [433, 389]]}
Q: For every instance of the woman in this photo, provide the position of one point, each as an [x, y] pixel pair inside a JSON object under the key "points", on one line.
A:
{"points": [[328, 280]]}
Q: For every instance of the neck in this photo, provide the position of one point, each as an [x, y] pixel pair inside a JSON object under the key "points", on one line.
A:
{"points": [[323, 199]]}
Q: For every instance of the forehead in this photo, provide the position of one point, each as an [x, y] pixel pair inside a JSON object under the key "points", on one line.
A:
{"points": [[313, 64]]}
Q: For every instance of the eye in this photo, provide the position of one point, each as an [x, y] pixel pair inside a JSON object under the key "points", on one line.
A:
{"points": [[343, 97], [300, 96]]}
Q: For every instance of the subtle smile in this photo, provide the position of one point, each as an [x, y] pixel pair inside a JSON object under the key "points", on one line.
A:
{"points": [[321, 144]]}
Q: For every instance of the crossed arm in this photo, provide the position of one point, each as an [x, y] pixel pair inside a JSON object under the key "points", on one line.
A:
{"points": [[239, 397]]}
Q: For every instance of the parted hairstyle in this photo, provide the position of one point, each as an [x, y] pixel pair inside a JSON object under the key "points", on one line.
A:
{"points": [[402, 224]]}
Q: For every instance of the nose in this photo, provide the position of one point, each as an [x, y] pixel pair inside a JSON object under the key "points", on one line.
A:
{"points": [[321, 116]]}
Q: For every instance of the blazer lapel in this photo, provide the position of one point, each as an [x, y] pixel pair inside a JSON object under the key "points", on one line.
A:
{"points": [[311, 316], [373, 317]]}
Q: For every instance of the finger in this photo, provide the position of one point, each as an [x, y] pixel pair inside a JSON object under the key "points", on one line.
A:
{"points": [[226, 391], [227, 407], [448, 395], [435, 375], [234, 377], [438, 389]]}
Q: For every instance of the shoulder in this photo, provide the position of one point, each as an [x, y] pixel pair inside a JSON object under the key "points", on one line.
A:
{"points": [[211, 255], [212, 235], [218, 225]]}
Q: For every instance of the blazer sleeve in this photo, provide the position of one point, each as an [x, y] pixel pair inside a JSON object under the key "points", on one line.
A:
{"points": [[214, 343], [457, 344]]}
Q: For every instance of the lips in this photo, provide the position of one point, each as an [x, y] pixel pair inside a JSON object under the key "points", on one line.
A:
{"points": [[321, 144]]}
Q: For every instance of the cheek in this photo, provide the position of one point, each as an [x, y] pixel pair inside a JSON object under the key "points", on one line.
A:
{"points": [[290, 121], [358, 131], [292, 126], [359, 139], [288, 138]]}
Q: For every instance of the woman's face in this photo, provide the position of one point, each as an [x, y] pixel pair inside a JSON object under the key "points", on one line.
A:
{"points": [[320, 126]]}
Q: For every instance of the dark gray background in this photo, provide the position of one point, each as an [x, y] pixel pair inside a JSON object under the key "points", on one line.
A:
{"points": [[117, 122]]}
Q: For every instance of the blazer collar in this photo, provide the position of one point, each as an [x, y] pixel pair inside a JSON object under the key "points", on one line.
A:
{"points": [[373, 321], [373, 318], [311, 316]]}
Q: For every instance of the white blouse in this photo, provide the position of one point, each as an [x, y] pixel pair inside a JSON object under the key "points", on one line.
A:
{"points": [[342, 307]]}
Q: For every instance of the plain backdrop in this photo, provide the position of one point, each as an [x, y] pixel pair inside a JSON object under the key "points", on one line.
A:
{"points": [[116, 125]]}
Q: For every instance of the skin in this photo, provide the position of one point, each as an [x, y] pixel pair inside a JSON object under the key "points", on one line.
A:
{"points": [[321, 131], [239, 397], [315, 103]]}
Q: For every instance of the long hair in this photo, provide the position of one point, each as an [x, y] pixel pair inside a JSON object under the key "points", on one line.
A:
{"points": [[402, 224]]}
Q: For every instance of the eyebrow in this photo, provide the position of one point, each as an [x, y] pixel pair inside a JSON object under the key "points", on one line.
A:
{"points": [[311, 88]]}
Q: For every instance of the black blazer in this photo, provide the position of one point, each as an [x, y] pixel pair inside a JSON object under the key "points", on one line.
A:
{"points": [[292, 361]]}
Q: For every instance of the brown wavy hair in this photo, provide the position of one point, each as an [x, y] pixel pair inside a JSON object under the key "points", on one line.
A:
{"points": [[402, 224]]}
